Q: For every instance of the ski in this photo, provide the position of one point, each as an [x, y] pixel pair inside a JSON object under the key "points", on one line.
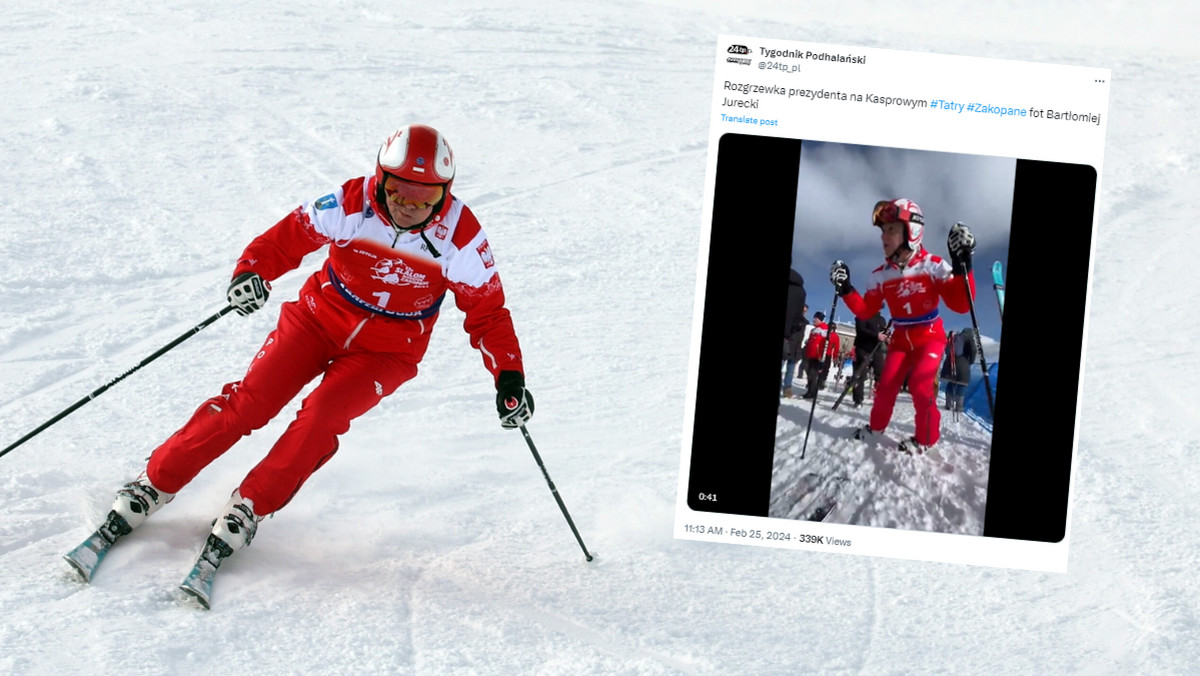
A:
{"points": [[87, 556], [799, 494], [824, 504], [199, 582], [998, 284]]}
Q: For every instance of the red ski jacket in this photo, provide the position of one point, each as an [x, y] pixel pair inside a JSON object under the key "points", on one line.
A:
{"points": [[817, 346], [381, 292], [912, 292]]}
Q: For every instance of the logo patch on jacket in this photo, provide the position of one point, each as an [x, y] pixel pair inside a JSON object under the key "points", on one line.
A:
{"points": [[910, 287], [441, 231], [396, 271], [485, 254], [326, 202]]}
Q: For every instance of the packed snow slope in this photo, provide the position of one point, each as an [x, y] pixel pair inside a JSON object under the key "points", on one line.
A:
{"points": [[146, 143]]}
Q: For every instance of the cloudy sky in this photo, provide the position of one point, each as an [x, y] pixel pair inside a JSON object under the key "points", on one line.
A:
{"points": [[839, 185]]}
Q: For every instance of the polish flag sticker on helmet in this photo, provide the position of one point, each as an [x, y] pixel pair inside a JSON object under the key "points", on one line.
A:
{"points": [[485, 254]]}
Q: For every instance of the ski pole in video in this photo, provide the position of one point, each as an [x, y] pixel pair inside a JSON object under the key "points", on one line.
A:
{"points": [[961, 244], [826, 345]]}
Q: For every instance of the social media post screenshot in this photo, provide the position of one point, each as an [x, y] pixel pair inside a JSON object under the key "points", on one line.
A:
{"points": [[882, 230]]}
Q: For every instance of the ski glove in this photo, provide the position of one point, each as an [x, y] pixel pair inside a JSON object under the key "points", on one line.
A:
{"points": [[248, 292], [514, 403], [961, 244], [839, 276]]}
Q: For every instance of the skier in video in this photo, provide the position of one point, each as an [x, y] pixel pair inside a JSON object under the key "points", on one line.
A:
{"points": [[820, 350], [911, 282]]}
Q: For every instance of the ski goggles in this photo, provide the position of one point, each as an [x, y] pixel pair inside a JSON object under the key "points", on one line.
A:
{"points": [[888, 211], [419, 195]]}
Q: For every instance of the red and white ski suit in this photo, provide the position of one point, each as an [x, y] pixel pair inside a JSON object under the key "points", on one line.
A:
{"points": [[912, 292], [363, 321], [817, 347]]}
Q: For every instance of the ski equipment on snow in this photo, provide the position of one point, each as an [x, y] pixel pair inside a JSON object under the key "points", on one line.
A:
{"points": [[538, 458], [138, 499], [817, 391], [199, 582], [913, 447], [864, 433], [134, 503], [998, 285], [100, 390], [824, 503], [816, 497], [87, 556]]}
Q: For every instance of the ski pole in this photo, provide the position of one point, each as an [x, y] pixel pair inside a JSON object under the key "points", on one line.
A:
{"points": [[817, 389], [100, 390], [861, 371], [979, 346], [563, 507]]}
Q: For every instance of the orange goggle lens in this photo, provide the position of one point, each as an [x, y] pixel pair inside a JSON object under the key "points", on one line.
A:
{"points": [[418, 195], [885, 212]]}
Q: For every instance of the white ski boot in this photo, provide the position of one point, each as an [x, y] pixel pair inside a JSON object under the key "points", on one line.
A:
{"points": [[234, 529], [912, 447], [138, 499], [135, 502], [865, 433], [238, 523]]}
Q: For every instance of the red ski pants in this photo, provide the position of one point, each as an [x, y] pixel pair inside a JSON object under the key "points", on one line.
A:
{"points": [[920, 365], [295, 353]]}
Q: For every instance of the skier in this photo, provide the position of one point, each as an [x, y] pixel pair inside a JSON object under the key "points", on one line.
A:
{"points": [[399, 239], [911, 281], [819, 353]]}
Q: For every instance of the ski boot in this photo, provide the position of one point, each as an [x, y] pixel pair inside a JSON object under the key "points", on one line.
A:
{"points": [[135, 502], [865, 433], [138, 499], [234, 529], [912, 447]]}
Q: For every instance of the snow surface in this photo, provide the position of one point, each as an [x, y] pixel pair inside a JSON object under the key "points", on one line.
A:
{"points": [[872, 483], [144, 145]]}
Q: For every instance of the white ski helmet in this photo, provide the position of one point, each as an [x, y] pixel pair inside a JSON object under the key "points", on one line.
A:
{"points": [[417, 153], [904, 211]]}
